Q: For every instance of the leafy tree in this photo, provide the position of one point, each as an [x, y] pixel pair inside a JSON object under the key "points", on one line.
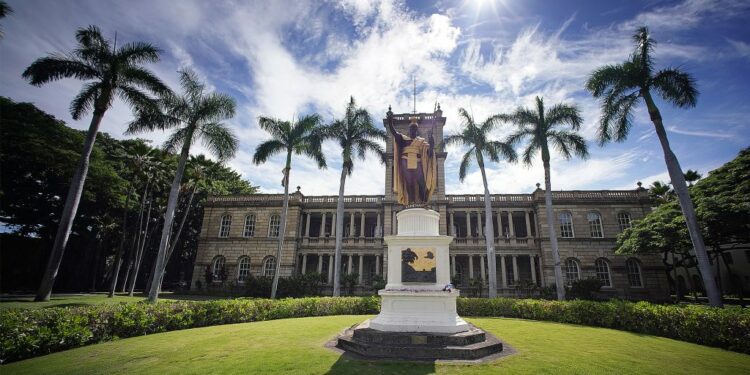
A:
{"points": [[722, 202], [111, 72], [476, 138], [356, 135], [196, 115], [301, 137], [542, 127], [621, 87]]}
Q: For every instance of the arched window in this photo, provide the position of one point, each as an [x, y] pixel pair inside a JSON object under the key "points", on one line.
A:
{"points": [[269, 266], [572, 270], [566, 225], [623, 219], [249, 230], [226, 223], [595, 224], [602, 272], [634, 273], [217, 267], [273, 226], [243, 268]]}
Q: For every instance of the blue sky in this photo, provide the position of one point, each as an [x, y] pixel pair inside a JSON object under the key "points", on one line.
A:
{"points": [[286, 58]]}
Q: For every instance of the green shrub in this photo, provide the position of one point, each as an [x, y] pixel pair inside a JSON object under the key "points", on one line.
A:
{"points": [[26, 333], [584, 289]]}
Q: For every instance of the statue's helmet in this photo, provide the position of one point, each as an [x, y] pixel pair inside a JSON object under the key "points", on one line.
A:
{"points": [[413, 122]]}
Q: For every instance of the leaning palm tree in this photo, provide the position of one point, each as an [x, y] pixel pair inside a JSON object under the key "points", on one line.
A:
{"points": [[475, 136], [301, 137], [197, 115], [621, 87], [356, 135], [543, 127], [111, 73]]}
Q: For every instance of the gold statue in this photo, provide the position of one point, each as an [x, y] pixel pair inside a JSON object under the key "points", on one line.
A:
{"points": [[414, 165]]}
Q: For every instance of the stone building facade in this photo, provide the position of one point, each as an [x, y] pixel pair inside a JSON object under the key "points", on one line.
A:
{"points": [[240, 234]]}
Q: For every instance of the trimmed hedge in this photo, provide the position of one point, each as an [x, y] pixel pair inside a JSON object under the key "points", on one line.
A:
{"points": [[28, 333], [727, 328]]}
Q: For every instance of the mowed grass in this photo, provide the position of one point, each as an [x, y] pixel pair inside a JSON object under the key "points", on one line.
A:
{"points": [[86, 300], [295, 346]]}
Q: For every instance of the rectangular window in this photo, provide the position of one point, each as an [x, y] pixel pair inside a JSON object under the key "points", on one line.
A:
{"points": [[226, 223], [249, 226], [566, 225], [623, 218], [595, 225], [273, 226]]}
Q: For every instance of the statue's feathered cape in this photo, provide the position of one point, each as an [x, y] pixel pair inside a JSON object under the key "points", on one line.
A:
{"points": [[429, 166]]}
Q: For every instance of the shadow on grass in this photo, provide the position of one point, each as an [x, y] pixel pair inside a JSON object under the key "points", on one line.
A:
{"points": [[347, 365]]}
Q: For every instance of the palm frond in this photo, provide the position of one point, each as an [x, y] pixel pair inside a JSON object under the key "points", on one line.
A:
{"points": [[465, 164], [176, 140], [267, 149], [91, 37], [214, 107], [500, 150], [457, 140], [279, 129], [137, 99], [519, 135], [140, 77], [57, 66], [644, 46], [676, 87], [569, 143], [604, 78], [564, 114], [523, 116], [137, 53], [530, 150], [616, 117], [219, 140], [85, 100]]}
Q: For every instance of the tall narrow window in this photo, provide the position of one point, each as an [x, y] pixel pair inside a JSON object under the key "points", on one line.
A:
{"points": [[595, 224], [249, 226], [602, 272], [634, 273], [269, 266], [243, 269], [217, 268], [566, 225], [226, 223], [273, 226], [572, 271], [623, 219]]}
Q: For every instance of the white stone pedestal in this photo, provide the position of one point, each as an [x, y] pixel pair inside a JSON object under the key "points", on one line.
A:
{"points": [[418, 306]]}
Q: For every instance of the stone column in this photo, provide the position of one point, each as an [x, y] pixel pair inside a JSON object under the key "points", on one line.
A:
{"points": [[468, 224], [330, 269], [503, 273], [528, 224], [532, 263], [453, 226], [351, 224], [515, 269], [481, 269], [511, 231], [453, 265], [320, 264], [471, 267], [362, 224], [307, 225], [499, 223], [304, 263], [361, 269], [377, 264], [378, 230], [349, 264], [323, 226], [479, 223], [333, 225]]}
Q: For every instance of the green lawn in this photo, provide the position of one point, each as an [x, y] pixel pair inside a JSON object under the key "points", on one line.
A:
{"points": [[84, 300], [295, 346]]}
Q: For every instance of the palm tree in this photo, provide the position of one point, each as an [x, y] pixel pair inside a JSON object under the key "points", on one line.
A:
{"points": [[475, 136], [692, 176], [620, 87], [196, 115], [543, 127], [112, 72], [5, 10], [356, 135], [660, 192], [301, 137]]}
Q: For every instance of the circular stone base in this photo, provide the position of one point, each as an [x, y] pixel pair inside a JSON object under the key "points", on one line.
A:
{"points": [[370, 343]]}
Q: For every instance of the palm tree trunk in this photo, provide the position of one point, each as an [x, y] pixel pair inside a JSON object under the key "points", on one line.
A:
{"points": [[683, 195], [177, 235], [128, 269], [339, 235], [120, 249], [559, 284], [489, 234], [139, 253], [69, 211], [282, 225], [153, 294]]}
